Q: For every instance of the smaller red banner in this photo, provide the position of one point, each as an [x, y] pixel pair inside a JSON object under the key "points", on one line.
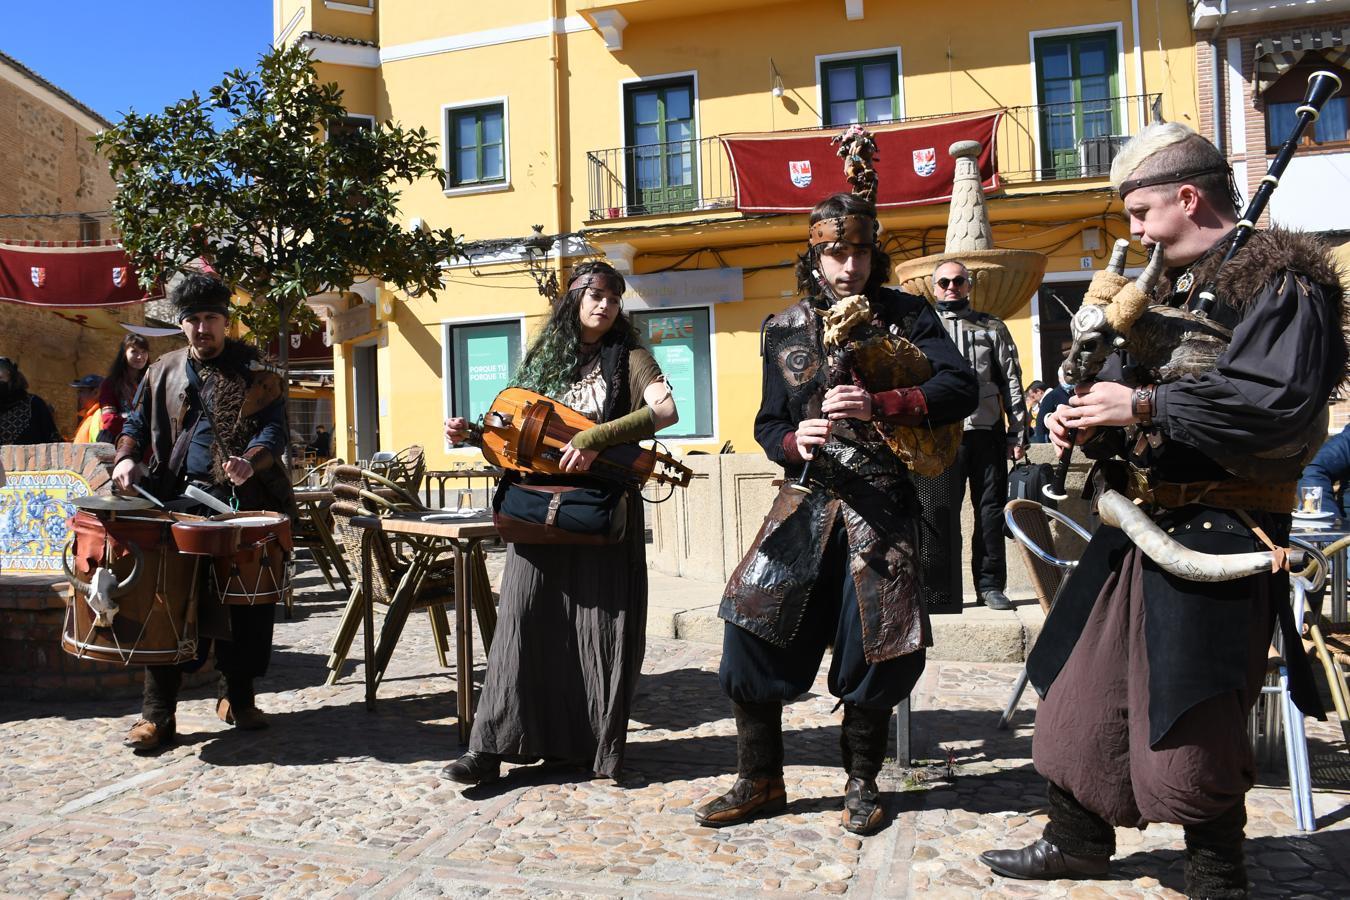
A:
{"points": [[792, 171], [314, 348], [69, 276]]}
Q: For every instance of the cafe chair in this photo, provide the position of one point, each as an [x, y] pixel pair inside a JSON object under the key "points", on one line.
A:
{"points": [[313, 527], [388, 564], [1329, 642], [1276, 722], [1029, 524]]}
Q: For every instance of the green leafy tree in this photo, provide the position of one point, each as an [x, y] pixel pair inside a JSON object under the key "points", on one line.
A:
{"points": [[261, 180]]}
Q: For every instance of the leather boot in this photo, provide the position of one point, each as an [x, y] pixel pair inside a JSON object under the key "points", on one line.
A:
{"points": [[146, 736], [759, 789], [1043, 860], [862, 742], [1077, 843], [1215, 866], [236, 705], [474, 767]]}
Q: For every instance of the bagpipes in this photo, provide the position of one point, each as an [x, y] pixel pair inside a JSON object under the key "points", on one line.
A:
{"points": [[526, 432]]}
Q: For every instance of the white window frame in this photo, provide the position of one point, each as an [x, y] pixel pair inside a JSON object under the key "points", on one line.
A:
{"points": [[1119, 28], [624, 84], [447, 144], [859, 54], [448, 375], [713, 383]]}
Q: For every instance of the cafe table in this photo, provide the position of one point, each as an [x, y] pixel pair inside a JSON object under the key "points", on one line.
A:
{"points": [[433, 534], [313, 504]]}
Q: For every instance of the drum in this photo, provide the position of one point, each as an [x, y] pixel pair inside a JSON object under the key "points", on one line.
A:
{"points": [[250, 554], [133, 597]]}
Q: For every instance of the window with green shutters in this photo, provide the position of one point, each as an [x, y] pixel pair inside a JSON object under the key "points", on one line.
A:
{"points": [[1077, 82], [476, 139], [863, 89], [662, 171]]}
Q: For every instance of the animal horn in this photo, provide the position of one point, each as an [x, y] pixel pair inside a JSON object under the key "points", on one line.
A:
{"points": [[1148, 279], [1117, 262], [70, 572], [1117, 511], [126, 584]]}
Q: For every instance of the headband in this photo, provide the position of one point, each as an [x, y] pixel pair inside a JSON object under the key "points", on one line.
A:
{"points": [[595, 279], [851, 229], [1172, 177]]}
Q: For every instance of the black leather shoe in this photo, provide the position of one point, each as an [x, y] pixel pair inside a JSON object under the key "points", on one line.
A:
{"points": [[747, 799], [1044, 861], [996, 600], [862, 806], [474, 768]]}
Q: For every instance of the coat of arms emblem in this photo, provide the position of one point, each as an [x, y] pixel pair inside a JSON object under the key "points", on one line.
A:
{"points": [[119, 275], [800, 171], [39, 275], [925, 162]]}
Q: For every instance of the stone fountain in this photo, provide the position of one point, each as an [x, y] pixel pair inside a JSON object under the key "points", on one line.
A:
{"points": [[1002, 281]]}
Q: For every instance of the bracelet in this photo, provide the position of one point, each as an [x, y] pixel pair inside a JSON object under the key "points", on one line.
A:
{"points": [[1141, 404]]}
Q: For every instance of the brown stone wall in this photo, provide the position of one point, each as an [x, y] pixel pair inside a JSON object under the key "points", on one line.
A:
{"points": [[48, 164]]}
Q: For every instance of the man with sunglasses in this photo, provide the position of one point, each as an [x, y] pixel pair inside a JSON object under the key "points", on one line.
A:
{"points": [[994, 433]]}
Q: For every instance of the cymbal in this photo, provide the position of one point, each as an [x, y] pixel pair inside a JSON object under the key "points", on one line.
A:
{"points": [[111, 503]]}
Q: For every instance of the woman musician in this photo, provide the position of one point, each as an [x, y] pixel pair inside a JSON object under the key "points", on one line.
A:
{"points": [[570, 637]]}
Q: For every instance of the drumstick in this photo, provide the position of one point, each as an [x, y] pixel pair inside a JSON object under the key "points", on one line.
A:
{"points": [[149, 496], [206, 499]]}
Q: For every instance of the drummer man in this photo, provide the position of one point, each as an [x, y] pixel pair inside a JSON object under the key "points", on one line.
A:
{"points": [[210, 415]]}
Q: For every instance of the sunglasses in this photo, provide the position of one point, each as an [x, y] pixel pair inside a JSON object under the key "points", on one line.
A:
{"points": [[959, 281]]}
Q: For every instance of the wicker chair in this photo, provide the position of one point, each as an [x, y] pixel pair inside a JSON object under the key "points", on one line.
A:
{"points": [[388, 566], [308, 533], [406, 468], [1029, 523], [1330, 642]]}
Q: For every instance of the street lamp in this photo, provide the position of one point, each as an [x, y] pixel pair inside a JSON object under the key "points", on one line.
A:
{"points": [[537, 247]]}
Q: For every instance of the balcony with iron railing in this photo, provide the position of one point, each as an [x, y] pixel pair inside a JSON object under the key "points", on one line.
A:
{"points": [[1044, 142]]}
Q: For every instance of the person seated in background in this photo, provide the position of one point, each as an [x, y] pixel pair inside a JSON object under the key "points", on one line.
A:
{"points": [[1329, 470], [322, 445], [24, 418], [1051, 400], [87, 414]]}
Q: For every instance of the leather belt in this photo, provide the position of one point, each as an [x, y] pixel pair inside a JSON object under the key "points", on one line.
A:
{"points": [[1276, 497]]}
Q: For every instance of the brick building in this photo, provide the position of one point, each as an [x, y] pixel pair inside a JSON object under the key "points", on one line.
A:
{"points": [[48, 165]]}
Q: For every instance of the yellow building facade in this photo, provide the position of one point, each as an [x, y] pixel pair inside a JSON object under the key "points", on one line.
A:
{"points": [[601, 122]]}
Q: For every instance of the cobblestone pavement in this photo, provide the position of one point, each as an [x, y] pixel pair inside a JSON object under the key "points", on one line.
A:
{"points": [[334, 801]]}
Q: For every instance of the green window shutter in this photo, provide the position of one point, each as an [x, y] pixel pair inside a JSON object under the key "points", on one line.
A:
{"points": [[660, 165], [1078, 85], [477, 145], [865, 89]]}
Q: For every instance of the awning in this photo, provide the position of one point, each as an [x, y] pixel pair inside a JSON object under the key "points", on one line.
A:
{"points": [[791, 171], [1277, 55], [68, 276]]}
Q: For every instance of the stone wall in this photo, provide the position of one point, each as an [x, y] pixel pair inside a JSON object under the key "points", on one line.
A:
{"points": [[702, 531]]}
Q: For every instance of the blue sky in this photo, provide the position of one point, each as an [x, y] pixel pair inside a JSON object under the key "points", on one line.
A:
{"points": [[144, 54]]}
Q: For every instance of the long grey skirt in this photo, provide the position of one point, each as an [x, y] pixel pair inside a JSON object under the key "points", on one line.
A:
{"points": [[565, 659]]}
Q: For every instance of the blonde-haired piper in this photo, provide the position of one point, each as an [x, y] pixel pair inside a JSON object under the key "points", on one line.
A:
{"points": [[1147, 679]]}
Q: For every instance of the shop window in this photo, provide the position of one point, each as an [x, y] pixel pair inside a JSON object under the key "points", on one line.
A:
{"points": [[861, 89], [476, 145], [1285, 96], [481, 357], [681, 341]]}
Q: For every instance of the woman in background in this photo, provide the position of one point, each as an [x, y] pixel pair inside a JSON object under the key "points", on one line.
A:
{"points": [[119, 388]]}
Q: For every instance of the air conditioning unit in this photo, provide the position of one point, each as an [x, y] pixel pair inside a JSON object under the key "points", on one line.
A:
{"points": [[1095, 153]]}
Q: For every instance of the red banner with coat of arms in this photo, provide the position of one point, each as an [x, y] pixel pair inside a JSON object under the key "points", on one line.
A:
{"points": [[792, 171], [98, 275]]}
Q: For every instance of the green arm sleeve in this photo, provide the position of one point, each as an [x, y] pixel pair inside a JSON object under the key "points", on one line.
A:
{"points": [[629, 429]]}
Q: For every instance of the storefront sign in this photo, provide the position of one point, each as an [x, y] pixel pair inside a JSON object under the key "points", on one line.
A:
{"points": [[696, 287], [351, 324], [672, 339]]}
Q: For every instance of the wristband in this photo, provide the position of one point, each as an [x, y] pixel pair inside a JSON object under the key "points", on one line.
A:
{"points": [[629, 429], [1141, 404]]}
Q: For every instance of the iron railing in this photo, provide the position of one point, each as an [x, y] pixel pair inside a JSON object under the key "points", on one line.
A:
{"points": [[1039, 142]]}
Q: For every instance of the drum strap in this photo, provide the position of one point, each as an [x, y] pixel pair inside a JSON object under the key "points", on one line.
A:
{"points": [[178, 455]]}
